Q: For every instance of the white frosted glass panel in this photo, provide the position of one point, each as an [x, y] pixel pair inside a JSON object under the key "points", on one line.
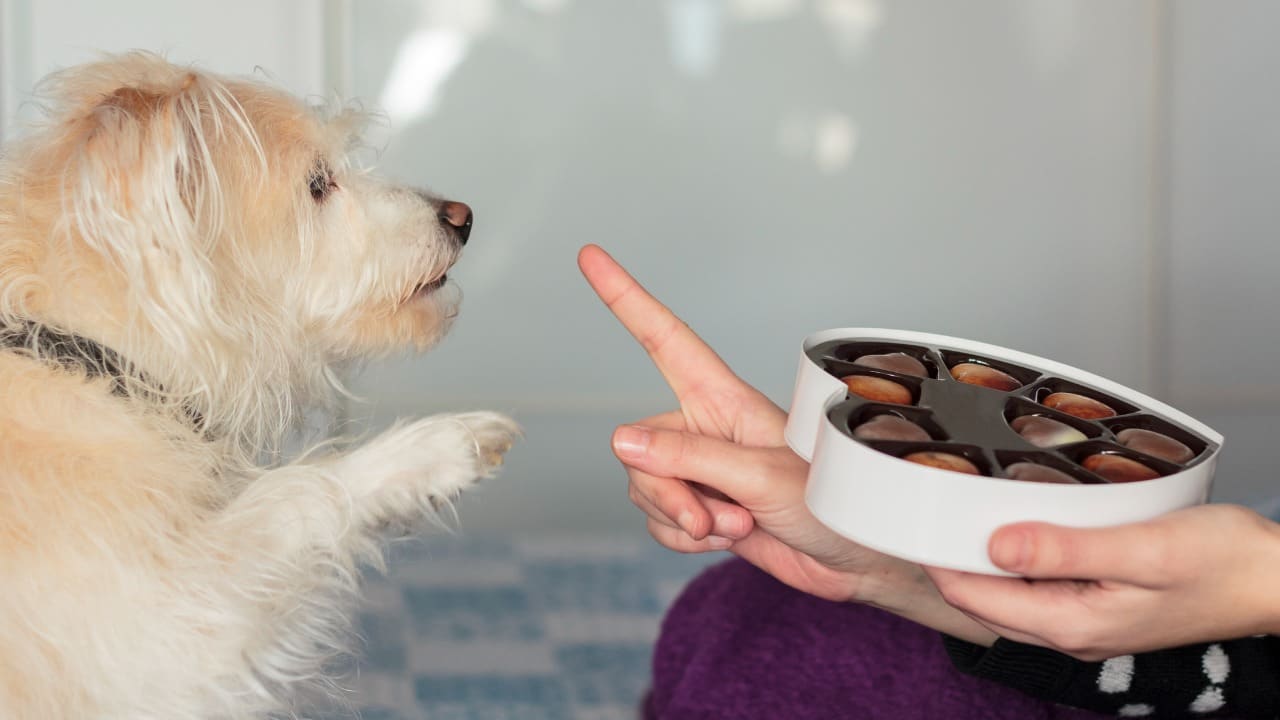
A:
{"points": [[1225, 324], [768, 169], [231, 36], [1224, 337]]}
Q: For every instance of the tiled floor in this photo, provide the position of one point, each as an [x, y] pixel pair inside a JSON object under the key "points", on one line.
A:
{"points": [[529, 629]]}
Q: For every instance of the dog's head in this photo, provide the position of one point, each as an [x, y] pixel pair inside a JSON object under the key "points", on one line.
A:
{"points": [[213, 231]]}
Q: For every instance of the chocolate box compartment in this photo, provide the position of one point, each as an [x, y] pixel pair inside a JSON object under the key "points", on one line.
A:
{"points": [[944, 518], [848, 352], [854, 415], [1017, 407]]}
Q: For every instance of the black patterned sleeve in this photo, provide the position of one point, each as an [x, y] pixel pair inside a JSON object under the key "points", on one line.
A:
{"points": [[1229, 679]]}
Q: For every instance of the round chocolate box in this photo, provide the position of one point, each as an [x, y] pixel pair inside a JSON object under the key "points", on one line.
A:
{"points": [[922, 445]]}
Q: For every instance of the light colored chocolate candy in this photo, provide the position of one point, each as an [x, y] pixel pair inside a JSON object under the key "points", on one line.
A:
{"points": [[1034, 472], [889, 427], [1118, 469], [989, 377], [1078, 406], [943, 461], [1045, 432], [878, 389], [1156, 444], [894, 362]]}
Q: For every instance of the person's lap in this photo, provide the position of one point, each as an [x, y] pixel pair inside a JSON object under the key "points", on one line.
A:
{"points": [[739, 644]]}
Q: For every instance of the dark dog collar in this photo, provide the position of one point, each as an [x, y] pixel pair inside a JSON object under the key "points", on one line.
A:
{"points": [[75, 352], [72, 352]]}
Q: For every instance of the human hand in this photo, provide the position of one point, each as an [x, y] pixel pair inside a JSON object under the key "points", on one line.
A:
{"points": [[713, 401], [716, 473], [786, 540], [1196, 575]]}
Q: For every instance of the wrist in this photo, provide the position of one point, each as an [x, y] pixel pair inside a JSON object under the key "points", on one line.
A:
{"points": [[895, 586], [905, 590]]}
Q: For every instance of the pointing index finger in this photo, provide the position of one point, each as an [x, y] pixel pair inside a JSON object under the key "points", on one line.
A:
{"points": [[679, 354]]}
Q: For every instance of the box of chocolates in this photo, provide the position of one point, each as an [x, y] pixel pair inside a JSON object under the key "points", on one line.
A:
{"points": [[922, 445]]}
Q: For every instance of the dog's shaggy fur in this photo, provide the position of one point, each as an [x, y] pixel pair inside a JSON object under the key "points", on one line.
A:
{"points": [[207, 236]]}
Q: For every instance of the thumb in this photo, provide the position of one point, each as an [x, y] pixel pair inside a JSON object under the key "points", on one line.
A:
{"points": [[1124, 553], [748, 475]]}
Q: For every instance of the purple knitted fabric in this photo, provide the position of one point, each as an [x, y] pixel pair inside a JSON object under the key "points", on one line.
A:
{"points": [[739, 644]]}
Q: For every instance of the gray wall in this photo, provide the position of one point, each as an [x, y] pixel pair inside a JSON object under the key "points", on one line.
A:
{"points": [[1090, 181], [1224, 220]]}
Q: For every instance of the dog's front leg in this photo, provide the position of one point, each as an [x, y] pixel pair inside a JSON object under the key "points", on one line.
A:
{"points": [[290, 543], [400, 476], [414, 468]]}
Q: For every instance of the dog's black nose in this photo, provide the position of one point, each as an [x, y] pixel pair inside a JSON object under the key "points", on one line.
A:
{"points": [[459, 216]]}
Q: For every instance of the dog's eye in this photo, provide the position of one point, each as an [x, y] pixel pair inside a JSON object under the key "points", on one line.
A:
{"points": [[321, 183]]}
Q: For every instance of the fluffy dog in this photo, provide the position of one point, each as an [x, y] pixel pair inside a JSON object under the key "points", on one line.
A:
{"points": [[185, 262]]}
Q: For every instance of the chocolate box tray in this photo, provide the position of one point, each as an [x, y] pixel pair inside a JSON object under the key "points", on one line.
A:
{"points": [[864, 490]]}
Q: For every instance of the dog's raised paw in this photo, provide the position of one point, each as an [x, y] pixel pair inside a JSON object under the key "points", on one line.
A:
{"points": [[493, 435], [428, 461]]}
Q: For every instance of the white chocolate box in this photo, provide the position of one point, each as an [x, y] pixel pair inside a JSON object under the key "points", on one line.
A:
{"points": [[943, 518]]}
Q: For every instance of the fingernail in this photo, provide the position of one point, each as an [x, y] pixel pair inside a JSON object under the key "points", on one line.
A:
{"points": [[685, 521], [1011, 550], [631, 441], [729, 524], [719, 543]]}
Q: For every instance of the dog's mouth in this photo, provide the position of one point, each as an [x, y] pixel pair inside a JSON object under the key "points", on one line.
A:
{"points": [[426, 288]]}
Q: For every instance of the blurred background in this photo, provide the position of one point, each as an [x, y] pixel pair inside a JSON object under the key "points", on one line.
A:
{"points": [[1097, 182]]}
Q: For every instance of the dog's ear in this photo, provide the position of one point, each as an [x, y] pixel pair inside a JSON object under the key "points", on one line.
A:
{"points": [[145, 160], [144, 189]]}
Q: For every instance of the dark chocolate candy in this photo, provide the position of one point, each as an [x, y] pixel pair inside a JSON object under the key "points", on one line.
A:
{"points": [[985, 376], [878, 389], [1045, 432], [1078, 406], [1155, 444], [943, 461], [890, 427], [894, 362]]}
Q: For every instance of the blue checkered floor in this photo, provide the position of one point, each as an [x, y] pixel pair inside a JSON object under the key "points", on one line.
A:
{"points": [[513, 629]]}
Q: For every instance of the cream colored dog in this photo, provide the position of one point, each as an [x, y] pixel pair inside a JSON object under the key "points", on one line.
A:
{"points": [[184, 262]]}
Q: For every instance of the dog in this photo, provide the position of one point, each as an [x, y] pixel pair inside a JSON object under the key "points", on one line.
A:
{"points": [[187, 265]]}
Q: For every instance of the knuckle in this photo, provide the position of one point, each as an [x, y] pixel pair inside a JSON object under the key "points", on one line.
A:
{"points": [[1066, 638], [777, 461], [1234, 513], [662, 497], [634, 494], [665, 536], [657, 531], [683, 447], [1055, 554], [1163, 559], [659, 497], [671, 499], [1238, 516], [654, 340], [675, 538], [1076, 640], [1060, 555], [669, 451]]}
